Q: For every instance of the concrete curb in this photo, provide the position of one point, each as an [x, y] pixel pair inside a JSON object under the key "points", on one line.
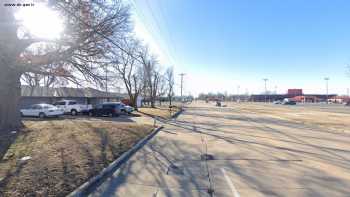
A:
{"points": [[177, 113], [84, 188]]}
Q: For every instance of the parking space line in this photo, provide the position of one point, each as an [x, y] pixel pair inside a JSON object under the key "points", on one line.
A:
{"points": [[229, 182]]}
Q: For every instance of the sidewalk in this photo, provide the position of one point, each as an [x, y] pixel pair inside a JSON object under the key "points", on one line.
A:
{"points": [[169, 165]]}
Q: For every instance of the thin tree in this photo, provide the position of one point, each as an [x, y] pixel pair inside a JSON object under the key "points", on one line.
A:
{"points": [[170, 82]]}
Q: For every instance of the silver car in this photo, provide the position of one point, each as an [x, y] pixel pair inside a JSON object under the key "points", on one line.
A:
{"points": [[42, 111]]}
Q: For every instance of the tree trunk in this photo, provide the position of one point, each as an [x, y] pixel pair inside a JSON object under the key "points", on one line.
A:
{"points": [[133, 101], [10, 93]]}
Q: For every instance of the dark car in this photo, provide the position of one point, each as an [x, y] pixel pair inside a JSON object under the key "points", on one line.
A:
{"points": [[106, 109]]}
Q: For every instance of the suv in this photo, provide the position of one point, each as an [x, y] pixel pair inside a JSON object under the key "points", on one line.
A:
{"points": [[106, 109], [72, 107]]}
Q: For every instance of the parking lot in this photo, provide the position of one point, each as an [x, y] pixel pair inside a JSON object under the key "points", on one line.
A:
{"points": [[134, 117], [242, 150]]}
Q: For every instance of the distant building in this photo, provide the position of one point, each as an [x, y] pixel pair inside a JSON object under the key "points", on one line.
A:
{"points": [[267, 97], [306, 99], [295, 92], [339, 99], [35, 95]]}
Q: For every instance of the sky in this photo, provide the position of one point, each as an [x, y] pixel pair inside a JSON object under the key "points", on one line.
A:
{"points": [[230, 45]]}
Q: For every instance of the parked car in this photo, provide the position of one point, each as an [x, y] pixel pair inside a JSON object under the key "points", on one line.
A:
{"points": [[42, 111], [277, 102], [106, 109], [72, 107], [289, 102], [126, 108]]}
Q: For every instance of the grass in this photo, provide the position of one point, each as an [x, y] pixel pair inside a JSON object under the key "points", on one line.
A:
{"points": [[64, 154], [160, 111]]}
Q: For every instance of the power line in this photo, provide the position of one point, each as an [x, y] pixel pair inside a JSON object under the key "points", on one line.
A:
{"points": [[170, 38], [159, 28], [152, 27]]}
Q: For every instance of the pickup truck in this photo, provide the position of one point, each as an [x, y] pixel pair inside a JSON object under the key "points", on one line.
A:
{"points": [[72, 107]]}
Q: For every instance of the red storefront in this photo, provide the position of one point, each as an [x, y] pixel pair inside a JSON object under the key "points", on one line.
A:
{"points": [[295, 92]]}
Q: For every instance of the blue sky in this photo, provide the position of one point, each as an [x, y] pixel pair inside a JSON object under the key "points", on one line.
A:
{"points": [[224, 44]]}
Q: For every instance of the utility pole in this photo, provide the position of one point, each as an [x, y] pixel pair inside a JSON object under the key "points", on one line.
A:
{"points": [[265, 81], [106, 85], [182, 79], [238, 97], [326, 79], [106, 82], [275, 89]]}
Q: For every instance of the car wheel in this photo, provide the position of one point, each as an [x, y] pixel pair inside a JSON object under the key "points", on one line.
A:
{"points": [[42, 115], [74, 112]]}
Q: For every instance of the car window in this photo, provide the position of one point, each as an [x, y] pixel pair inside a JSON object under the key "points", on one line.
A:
{"points": [[107, 106], [98, 106], [45, 106], [72, 103], [60, 103], [36, 107]]}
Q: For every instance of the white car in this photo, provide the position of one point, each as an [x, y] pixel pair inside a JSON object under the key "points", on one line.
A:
{"points": [[42, 111], [72, 107]]}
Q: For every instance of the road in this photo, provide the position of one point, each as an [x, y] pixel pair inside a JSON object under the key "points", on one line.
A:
{"points": [[235, 151]]}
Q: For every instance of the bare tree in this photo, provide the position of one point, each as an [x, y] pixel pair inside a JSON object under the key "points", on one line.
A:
{"points": [[88, 25], [162, 88], [128, 69], [48, 80], [151, 75], [170, 82]]}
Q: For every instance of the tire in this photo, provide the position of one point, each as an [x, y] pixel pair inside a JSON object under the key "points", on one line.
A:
{"points": [[42, 115], [74, 112]]}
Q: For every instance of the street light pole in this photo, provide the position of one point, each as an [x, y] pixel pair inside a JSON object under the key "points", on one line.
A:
{"points": [[182, 78], [265, 81], [275, 89], [326, 79]]}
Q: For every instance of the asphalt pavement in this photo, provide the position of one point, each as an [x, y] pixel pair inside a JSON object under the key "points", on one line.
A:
{"points": [[211, 151]]}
